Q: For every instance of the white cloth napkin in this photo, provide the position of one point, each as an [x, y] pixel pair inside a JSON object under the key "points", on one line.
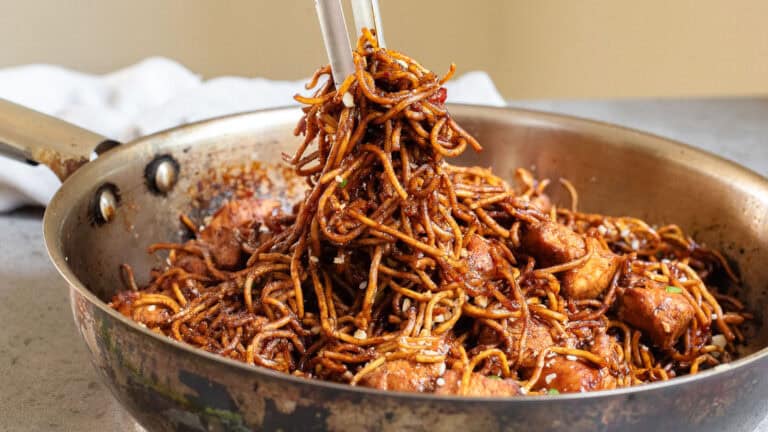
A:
{"points": [[152, 95]]}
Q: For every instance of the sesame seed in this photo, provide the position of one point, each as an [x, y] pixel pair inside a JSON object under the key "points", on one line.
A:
{"points": [[348, 100], [338, 259], [402, 63], [548, 379], [360, 334], [339, 179], [440, 382], [635, 244], [406, 305], [363, 285], [719, 340], [571, 357], [481, 301], [314, 259], [151, 308], [440, 318], [441, 369], [624, 232], [602, 230]]}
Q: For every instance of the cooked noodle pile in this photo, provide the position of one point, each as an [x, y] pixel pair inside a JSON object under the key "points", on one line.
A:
{"points": [[401, 271]]}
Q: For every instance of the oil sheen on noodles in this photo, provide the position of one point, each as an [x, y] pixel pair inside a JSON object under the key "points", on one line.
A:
{"points": [[401, 271]]}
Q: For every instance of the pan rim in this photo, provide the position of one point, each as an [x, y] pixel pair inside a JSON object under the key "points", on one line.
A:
{"points": [[746, 178]]}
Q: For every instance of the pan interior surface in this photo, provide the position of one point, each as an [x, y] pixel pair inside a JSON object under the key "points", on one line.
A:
{"points": [[617, 172]]}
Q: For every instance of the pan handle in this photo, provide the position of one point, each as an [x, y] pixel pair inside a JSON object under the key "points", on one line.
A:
{"points": [[34, 137]]}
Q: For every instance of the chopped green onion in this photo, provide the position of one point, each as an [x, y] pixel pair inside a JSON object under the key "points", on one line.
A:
{"points": [[553, 392], [496, 377], [674, 290]]}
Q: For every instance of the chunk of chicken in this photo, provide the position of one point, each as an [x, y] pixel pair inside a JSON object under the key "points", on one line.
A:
{"points": [[404, 375], [662, 316], [591, 279], [605, 346], [551, 243], [123, 302], [481, 265], [149, 315], [241, 212], [634, 280], [479, 385], [224, 245], [538, 338], [542, 202], [571, 376], [221, 232], [192, 264]]}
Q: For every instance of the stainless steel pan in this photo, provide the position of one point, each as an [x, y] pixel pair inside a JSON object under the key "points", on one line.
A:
{"points": [[109, 210]]}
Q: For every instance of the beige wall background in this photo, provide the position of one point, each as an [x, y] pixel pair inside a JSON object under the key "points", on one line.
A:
{"points": [[531, 48]]}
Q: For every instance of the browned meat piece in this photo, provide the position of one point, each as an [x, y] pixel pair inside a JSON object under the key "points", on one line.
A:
{"points": [[481, 265], [221, 232], [660, 315], [551, 243], [603, 345], [542, 202], [571, 376], [192, 264], [237, 213], [224, 245], [123, 300], [404, 375], [592, 278], [538, 338], [479, 385], [634, 280], [150, 315]]}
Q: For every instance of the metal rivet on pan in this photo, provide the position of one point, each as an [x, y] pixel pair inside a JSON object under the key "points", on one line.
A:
{"points": [[105, 203], [165, 176], [161, 174]]}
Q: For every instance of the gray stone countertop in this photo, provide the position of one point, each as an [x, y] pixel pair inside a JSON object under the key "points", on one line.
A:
{"points": [[46, 380]]}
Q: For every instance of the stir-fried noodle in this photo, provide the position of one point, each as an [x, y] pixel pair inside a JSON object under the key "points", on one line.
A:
{"points": [[399, 270]]}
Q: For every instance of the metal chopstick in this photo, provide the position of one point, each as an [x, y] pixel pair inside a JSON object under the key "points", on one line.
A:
{"points": [[368, 15], [336, 38]]}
